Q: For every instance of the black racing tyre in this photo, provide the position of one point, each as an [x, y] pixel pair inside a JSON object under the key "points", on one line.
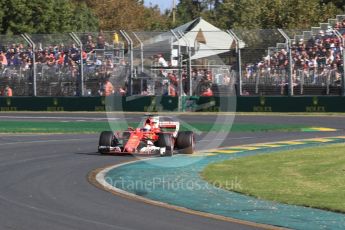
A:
{"points": [[106, 139], [166, 140], [185, 142]]}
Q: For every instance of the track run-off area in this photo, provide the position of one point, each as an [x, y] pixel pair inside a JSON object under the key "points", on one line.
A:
{"points": [[44, 177], [177, 183]]}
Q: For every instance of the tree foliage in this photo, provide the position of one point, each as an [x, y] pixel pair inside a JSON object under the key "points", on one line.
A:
{"points": [[59, 16], [45, 16], [127, 15], [188, 10], [264, 14], [337, 3]]}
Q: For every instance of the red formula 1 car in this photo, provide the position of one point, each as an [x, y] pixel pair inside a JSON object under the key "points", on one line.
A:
{"points": [[155, 137]]}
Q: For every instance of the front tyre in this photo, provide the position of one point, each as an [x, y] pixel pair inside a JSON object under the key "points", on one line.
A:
{"points": [[105, 140]]}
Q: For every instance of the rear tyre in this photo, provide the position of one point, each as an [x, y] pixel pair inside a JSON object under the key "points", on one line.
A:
{"points": [[106, 139], [185, 142], [166, 140]]}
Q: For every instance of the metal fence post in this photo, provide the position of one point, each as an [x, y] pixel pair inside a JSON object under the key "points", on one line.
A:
{"points": [[343, 75], [179, 71], [189, 62], [130, 80], [301, 83], [239, 61], [34, 79], [81, 72], [288, 44], [342, 39], [141, 51]]}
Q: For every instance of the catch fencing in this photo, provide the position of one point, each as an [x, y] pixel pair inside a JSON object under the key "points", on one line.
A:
{"points": [[180, 62]]}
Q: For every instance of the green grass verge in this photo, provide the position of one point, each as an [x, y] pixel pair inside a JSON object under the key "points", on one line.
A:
{"points": [[96, 127], [312, 177]]}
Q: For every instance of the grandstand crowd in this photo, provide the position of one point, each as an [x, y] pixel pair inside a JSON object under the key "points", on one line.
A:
{"points": [[317, 60], [56, 63], [62, 63]]}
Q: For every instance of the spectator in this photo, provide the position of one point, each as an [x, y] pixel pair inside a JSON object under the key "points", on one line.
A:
{"points": [[208, 75], [51, 60], [7, 91], [172, 90], [60, 59], [122, 91], [100, 41], [3, 59], [207, 92], [14, 60], [161, 61], [108, 88], [173, 79], [90, 44]]}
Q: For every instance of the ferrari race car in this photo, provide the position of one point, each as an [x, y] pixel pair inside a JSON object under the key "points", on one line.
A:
{"points": [[155, 137]]}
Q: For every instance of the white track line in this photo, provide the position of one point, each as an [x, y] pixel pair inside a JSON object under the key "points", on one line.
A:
{"points": [[235, 138], [63, 118], [45, 141]]}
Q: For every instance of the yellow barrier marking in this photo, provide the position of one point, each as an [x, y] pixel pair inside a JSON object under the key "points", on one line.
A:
{"points": [[238, 149], [203, 155], [228, 151], [292, 142], [321, 140], [246, 148], [322, 129], [268, 145], [341, 137]]}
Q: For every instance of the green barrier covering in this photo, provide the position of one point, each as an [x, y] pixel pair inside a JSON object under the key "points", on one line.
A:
{"points": [[51, 104], [290, 104], [193, 104]]}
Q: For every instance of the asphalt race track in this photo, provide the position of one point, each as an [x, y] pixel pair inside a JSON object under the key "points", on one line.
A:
{"points": [[44, 177]]}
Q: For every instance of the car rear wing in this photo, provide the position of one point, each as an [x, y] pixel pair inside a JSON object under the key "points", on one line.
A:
{"points": [[170, 125]]}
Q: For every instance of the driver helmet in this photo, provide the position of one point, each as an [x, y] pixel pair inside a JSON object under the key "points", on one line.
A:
{"points": [[155, 123], [147, 127]]}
